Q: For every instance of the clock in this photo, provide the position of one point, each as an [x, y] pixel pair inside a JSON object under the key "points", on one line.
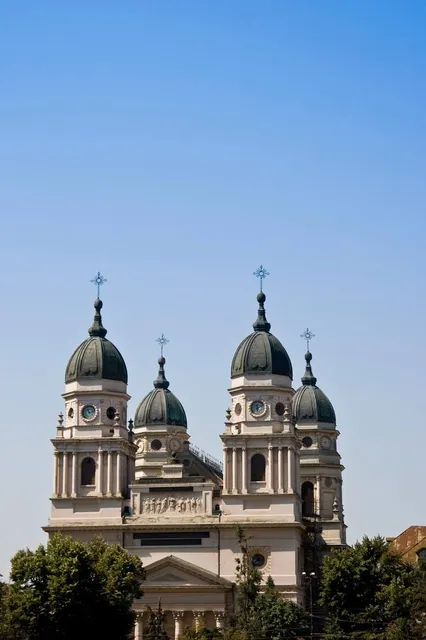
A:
{"points": [[325, 442], [88, 412], [257, 407]]}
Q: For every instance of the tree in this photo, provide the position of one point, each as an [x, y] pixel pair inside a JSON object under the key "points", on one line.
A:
{"points": [[201, 634], [156, 624], [260, 614], [69, 589], [367, 591]]}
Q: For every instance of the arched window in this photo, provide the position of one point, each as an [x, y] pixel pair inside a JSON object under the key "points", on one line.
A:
{"points": [[258, 465], [88, 471], [307, 499]]}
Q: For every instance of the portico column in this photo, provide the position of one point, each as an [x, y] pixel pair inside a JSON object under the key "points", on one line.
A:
{"points": [[64, 474], [118, 483], [99, 488], [270, 477], [244, 469], [225, 469], [234, 470], [178, 618], [139, 626], [318, 495], [280, 470], [74, 475], [55, 473], [109, 473], [198, 619], [290, 470], [219, 616]]}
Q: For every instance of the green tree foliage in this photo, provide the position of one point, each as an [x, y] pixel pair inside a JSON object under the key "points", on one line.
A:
{"points": [[262, 614], [156, 624], [201, 634], [71, 590], [369, 593]]}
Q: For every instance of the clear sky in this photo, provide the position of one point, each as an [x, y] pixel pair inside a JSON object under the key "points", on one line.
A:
{"points": [[175, 146]]}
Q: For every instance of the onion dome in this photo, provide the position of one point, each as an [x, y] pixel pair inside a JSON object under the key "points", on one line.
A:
{"points": [[96, 357], [261, 352], [160, 406], [310, 404]]}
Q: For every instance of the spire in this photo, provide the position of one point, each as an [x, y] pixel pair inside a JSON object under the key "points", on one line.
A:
{"points": [[97, 329], [161, 382], [261, 323], [309, 378]]}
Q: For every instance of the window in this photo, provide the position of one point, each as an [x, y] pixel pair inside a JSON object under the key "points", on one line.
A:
{"points": [[258, 465], [88, 471], [307, 499], [421, 554]]}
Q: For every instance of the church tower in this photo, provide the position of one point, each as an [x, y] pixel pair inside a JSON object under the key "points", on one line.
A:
{"points": [[93, 450], [160, 427], [320, 463]]}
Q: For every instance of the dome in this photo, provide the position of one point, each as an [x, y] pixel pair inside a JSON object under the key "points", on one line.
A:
{"points": [[261, 352], [160, 406], [310, 404], [96, 357]]}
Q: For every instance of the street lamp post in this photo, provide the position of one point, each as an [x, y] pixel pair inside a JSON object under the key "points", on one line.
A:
{"points": [[308, 579]]}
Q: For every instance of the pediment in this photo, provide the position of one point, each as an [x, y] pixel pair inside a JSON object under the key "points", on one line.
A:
{"points": [[174, 571]]}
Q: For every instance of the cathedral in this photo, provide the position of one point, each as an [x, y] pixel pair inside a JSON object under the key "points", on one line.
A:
{"points": [[139, 481]]}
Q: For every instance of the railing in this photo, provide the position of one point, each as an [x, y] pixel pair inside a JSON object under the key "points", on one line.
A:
{"points": [[207, 459]]}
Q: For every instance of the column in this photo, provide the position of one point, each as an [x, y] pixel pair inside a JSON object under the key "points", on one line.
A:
{"points": [[290, 470], [74, 475], [244, 469], [64, 474], [99, 488], [109, 473], [118, 486], [55, 473], [139, 626], [234, 470], [198, 620], [225, 469], [270, 477], [280, 470], [178, 618], [298, 482], [318, 495], [219, 616]]}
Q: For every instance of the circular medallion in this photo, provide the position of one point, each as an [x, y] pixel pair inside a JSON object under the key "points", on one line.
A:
{"points": [[257, 408], [258, 560], [328, 482], [325, 442], [307, 442], [238, 409], [156, 445], [71, 413], [88, 412], [174, 444]]}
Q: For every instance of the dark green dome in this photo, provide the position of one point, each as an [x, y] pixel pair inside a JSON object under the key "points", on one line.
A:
{"points": [[261, 352], [96, 357], [160, 406], [310, 404]]}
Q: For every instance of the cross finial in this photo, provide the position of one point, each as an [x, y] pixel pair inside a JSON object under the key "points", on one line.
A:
{"points": [[162, 341], [261, 273], [307, 335], [98, 281]]}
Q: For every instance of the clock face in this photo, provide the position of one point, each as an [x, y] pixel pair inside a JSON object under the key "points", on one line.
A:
{"points": [[325, 442], [89, 412], [257, 407]]}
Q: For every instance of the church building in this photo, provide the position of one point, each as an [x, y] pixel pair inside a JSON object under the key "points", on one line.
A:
{"points": [[139, 480]]}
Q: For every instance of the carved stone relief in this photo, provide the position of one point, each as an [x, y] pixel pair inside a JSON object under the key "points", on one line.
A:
{"points": [[172, 504]]}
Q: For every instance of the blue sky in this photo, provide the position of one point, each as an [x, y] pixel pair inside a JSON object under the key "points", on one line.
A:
{"points": [[176, 146]]}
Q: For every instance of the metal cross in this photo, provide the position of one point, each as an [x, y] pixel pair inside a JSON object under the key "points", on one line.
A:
{"points": [[307, 335], [261, 273], [98, 281], [162, 341]]}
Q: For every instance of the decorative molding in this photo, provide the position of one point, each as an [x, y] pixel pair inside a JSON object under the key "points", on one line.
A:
{"points": [[172, 505]]}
